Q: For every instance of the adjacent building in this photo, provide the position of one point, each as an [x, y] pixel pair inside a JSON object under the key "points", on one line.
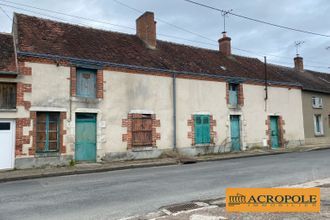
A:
{"points": [[83, 94]]}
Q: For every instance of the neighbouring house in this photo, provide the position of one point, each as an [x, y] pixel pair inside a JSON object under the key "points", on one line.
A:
{"points": [[88, 95]]}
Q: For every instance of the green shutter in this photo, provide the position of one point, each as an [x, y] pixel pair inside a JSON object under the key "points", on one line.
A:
{"points": [[202, 129]]}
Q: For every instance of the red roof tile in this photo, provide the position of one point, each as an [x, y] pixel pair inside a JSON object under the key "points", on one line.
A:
{"points": [[7, 54]]}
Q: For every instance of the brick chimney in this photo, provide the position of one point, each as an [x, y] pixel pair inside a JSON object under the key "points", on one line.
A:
{"points": [[298, 63], [146, 29], [224, 44]]}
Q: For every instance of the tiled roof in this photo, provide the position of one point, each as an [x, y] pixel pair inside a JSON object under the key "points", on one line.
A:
{"points": [[42, 36], [7, 53], [310, 80]]}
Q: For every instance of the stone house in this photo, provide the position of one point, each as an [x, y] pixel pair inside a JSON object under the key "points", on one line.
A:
{"points": [[89, 95]]}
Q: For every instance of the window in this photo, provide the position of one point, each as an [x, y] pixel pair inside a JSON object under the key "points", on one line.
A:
{"points": [[4, 126], [202, 129], [47, 132], [318, 125], [86, 83], [317, 102], [142, 130], [233, 94], [7, 95]]}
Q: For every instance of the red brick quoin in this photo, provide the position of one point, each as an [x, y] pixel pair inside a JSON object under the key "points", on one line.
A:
{"points": [[128, 123], [191, 133]]}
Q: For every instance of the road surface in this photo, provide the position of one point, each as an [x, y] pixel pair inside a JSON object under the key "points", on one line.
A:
{"points": [[116, 194]]}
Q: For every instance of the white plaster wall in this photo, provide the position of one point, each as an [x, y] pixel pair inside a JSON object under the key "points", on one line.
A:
{"points": [[125, 92], [195, 96], [281, 101], [50, 85]]}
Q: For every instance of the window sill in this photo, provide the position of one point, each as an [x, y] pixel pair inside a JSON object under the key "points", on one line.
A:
{"points": [[314, 107], [8, 110], [203, 145], [86, 100], [47, 154], [138, 149], [319, 135], [234, 106]]}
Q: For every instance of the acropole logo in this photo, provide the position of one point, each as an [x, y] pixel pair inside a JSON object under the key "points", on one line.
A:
{"points": [[273, 199]]}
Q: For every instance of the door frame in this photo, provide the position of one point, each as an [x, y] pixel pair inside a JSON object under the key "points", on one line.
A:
{"points": [[13, 126], [239, 129], [96, 130]]}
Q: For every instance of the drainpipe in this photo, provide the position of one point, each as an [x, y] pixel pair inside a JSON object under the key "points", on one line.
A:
{"points": [[174, 112], [266, 83]]}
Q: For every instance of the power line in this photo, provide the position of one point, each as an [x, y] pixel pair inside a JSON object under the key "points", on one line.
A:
{"points": [[258, 20], [5, 13], [61, 13], [165, 22]]}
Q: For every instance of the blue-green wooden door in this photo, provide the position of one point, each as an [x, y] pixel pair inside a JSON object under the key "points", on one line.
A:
{"points": [[235, 132], [85, 149], [202, 129], [274, 132]]}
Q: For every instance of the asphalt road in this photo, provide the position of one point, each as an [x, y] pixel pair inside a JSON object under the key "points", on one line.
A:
{"points": [[116, 194]]}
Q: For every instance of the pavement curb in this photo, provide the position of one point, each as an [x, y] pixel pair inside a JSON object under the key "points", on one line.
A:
{"points": [[144, 165], [84, 171]]}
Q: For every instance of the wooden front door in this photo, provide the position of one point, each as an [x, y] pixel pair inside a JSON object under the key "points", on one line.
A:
{"points": [[85, 149], [235, 132]]}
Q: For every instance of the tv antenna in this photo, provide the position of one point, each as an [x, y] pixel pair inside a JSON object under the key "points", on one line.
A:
{"points": [[225, 14], [298, 44]]}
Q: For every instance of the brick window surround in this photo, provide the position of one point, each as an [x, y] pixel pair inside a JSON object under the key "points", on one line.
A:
{"points": [[191, 132], [281, 131], [99, 83], [128, 123], [33, 133], [240, 94]]}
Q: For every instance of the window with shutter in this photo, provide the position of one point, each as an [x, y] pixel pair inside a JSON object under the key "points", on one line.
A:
{"points": [[47, 132], [233, 94], [202, 129], [7, 96], [142, 131], [86, 83]]}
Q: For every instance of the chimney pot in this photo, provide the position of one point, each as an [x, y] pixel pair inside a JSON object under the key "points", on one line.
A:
{"points": [[146, 29], [225, 45], [298, 63]]}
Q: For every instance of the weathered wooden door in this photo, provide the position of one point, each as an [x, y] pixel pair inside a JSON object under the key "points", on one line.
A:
{"points": [[7, 130], [202, 129], [235, 132], [274, 131], [85, 149]]}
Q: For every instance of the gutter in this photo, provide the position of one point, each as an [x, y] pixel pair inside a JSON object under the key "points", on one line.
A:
{"points": [[100, 64]]}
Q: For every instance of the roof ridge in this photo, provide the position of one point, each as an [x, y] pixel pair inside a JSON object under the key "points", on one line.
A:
{"points": [[71, 24]]}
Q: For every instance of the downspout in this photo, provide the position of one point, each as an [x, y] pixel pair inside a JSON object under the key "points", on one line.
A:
{"points": [[266, 84], [174, 112]]}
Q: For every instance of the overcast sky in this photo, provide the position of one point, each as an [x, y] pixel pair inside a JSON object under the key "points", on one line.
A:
{"points": [[258, 39]]}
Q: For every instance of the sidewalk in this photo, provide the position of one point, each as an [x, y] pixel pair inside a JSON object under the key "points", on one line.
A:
{"points": [[111, 166]]}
